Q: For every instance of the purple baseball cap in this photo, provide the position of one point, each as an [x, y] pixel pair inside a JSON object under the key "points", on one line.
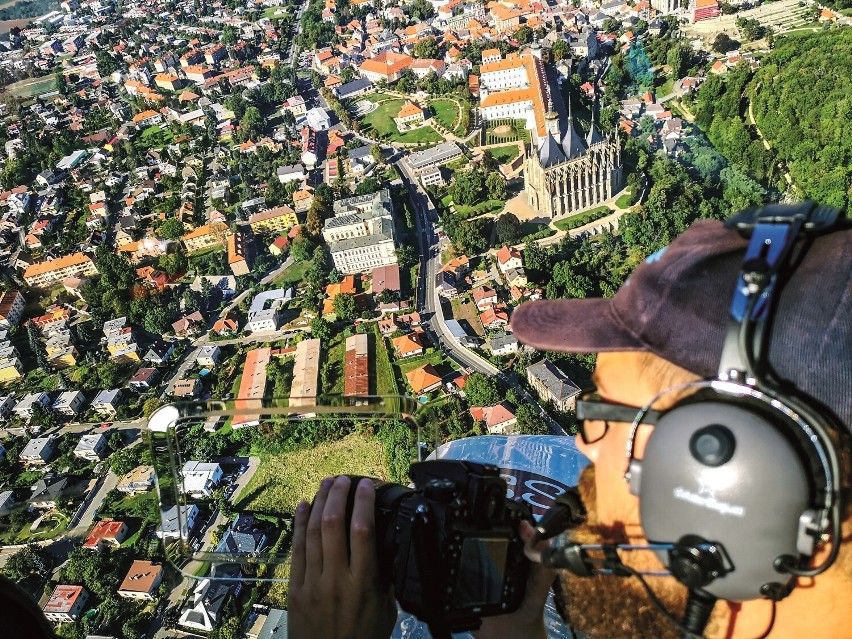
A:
{"points": [[676, 305]]}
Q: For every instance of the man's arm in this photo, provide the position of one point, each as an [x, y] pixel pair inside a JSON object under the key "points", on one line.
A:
{"points": [[334, 594]]}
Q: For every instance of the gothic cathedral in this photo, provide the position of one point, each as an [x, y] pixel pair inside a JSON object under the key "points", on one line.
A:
{"points": [[565, 174]]}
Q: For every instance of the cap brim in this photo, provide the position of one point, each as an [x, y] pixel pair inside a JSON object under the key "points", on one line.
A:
{"points": [[573, 326]]}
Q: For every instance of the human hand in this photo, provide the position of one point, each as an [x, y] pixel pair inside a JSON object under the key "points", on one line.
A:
{"points": [[334, 594], [527, 622]]}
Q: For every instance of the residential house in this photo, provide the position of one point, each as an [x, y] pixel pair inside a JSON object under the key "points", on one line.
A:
{"points": [[484, 297], [445, 283], [159, 353], [242, 536], [7, 402], [45, 493], [356, 368], [143, 379], [503, 344], [509, 257], [26, 406], [276, 220], [141, 581], [240, 253], [38, 451], [107, 532], [226, 326], [49, 272], [10, 370], [494, 317], [189, 324], [516, 277], [423, 379], [291, 173], [91, 447], [7, 501], [206, 609], [12, 305], [498, 419], [66, 603], [199, 478], [407, 346], [553, 385], [138, 480], [385, 278], [209, 356], [174, 527], [187, 388], [387, 66], [410, 116], [207, 236], [107, 402]]}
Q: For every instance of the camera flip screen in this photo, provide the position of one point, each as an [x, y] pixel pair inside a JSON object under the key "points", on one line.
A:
{"points": [[481, 572], [230, 473]]}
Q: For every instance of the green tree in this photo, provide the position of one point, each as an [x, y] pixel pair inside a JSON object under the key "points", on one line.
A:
{"points": [[26, 563], [678, 59], [344, 307], [44, 417], [426, 48], [524, 35], [467, 187], [171, 229], [724, 43], [495, 184], [508, 228], [560, 50], [481, 390], [150, 406], [158, 319], [251, 124], [34, 338], [320, 329], [530, 422]]}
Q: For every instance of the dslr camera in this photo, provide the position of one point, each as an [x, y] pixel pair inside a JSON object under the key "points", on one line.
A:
{"points": [[450, 546]]}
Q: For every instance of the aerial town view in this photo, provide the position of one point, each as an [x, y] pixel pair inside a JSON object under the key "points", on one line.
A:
{"points": [[247, 199]]}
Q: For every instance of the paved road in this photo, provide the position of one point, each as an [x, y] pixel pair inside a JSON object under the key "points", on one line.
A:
{"points": [[429, 304]]}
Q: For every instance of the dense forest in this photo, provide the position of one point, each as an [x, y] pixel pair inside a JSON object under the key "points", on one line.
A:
{"points": [[801, 101]]}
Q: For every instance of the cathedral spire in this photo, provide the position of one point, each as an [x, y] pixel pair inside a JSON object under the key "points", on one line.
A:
{"points": [[594, 135], [572, 144], [551, 119]]}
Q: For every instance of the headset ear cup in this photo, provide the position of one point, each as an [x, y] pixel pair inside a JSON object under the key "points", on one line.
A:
{"points": [[712, 470]]}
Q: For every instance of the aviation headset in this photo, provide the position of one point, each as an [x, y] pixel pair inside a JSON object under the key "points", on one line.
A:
{"points": [[752, 454]]}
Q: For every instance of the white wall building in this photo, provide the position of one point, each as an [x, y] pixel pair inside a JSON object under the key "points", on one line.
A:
{"points": [[361, 234], [199, 479]]}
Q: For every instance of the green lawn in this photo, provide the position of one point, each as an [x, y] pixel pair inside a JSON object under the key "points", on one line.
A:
{"points": [[531, 228], [31, 87], [335, 361], [376, 97], [505, 154], [446, 112], [293, 274], [385, 382], [283, 480], [381, 120], [421, 135], [624, 200], [571, 221], [488, 207], [154, 136], [665, 88], [273, 12]]}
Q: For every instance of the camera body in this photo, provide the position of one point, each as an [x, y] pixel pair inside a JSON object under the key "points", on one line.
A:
{"points": [[450, 546]]}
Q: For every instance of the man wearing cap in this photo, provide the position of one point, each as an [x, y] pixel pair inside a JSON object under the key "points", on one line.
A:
{"points": [[664, 327]]}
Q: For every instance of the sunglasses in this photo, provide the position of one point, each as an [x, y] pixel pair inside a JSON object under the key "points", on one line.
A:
{"points": [[595, 414]]}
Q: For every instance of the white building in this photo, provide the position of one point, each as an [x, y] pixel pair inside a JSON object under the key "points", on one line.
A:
{"points": [[12, 305], [361, 233], [69, 403], [24, 408], [318, 119], [199, 478], [92, 447], [171, 528], [38, 451]]}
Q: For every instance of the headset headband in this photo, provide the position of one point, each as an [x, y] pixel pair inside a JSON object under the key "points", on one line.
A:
{"points": [[774, 230]]}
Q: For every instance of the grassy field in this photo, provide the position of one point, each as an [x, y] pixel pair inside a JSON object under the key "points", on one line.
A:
{"points": [[375, 97], [31, 87], [530, 228], [624, 200], [282, 481], [154, 136], [446, 112], [565, 223], [422, 135], [505, 154], [385, 382], [665, 88], [293, 274], [381, 120], [275, 12], [467, 312], [335, 358]]}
